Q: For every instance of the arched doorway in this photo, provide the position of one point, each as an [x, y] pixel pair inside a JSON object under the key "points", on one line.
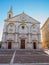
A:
{"points": [[0, 45], [9, 45], [22, 44], [34, 45]]}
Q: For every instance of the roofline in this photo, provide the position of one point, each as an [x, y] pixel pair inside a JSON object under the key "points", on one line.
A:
{"points": [[45, 22], [32, 18], [20, 14], [13, 17]]}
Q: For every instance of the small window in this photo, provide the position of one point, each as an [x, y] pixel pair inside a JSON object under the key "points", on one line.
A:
{"points": [[9, 15], [22, 27]]}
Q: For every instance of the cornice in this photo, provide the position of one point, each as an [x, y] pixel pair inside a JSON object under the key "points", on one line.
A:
{"points": [[44, 23], [21, 33], [21, 22], [7, 20]]}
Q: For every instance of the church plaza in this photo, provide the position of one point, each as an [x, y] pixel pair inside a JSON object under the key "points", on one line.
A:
{"points": [[21, 41]]}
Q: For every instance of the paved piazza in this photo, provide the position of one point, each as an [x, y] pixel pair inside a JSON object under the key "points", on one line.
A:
{"points": [[23, 57]]}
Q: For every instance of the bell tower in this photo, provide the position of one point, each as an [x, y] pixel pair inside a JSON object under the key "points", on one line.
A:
{"points": [[10, 13]]}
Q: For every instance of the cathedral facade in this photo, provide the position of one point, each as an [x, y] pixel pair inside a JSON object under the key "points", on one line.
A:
{"points": [[21, 32]]}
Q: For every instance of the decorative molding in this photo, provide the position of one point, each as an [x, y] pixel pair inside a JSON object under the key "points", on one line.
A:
{"points": [[20, 33]]}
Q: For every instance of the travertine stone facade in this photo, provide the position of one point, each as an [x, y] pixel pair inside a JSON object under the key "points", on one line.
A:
{"points": [[21, 32], [45, 34]]}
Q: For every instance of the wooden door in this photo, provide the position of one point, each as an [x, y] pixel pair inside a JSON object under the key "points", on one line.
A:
{"points": [[34, 45], [9, 45], [0, 45], [22, 44]]}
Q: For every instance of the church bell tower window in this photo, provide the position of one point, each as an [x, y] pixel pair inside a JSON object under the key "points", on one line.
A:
{"points": [[9, 15]]}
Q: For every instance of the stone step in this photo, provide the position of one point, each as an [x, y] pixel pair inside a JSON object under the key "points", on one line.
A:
{"points": [[24, 56], [5, 56], [31, 56]]}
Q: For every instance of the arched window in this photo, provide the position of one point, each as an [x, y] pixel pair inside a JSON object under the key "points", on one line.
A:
{"points": [[22, 27], [11, 28], [9, 15]]}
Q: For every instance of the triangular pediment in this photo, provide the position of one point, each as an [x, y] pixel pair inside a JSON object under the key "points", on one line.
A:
{"points": [[23, 18]]}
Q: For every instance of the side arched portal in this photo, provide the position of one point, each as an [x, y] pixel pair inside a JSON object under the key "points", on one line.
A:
{"points": [[34, 45]]}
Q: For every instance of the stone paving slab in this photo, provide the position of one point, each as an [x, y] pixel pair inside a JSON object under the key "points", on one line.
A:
{"points": [[31, 56], [27, 64], [27, 57], [31, 64]]}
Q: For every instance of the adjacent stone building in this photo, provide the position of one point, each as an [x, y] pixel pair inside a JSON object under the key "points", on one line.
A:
{"points": [[21, 32], [45, 34]]}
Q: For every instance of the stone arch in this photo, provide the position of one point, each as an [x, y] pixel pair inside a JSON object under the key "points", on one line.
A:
{"points": [[25, 26], [33, 29], [22, 41], [11, 25]]}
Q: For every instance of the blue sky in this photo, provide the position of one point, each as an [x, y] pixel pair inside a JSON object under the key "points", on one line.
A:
{"points": [[38, 9]]}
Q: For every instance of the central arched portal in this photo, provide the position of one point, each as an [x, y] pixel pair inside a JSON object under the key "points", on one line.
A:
{"points": [[22, 44], [9, 45]]}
